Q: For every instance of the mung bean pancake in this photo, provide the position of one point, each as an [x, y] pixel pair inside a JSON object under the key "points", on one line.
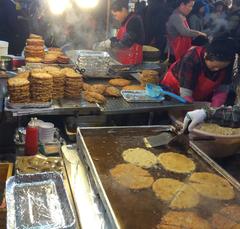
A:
{"points": [[228, 218], [183, 220], [186, 197], [180, 195], [140, 157], [166, 188], [131, 176], [212, 186], [176, 162]]}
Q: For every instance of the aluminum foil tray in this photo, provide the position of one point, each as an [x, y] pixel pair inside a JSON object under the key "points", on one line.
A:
{"points": [[139, 96], [95, 63], [38, 201], [101, 147], [27, 105]]}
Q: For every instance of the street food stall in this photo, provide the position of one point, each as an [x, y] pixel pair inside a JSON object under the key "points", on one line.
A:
{"points": [[90, 172]]}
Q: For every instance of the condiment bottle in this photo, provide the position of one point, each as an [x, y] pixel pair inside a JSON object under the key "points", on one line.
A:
{"points": [[31, 141]]}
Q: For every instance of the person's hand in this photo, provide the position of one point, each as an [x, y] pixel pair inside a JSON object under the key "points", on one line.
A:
{"points": [[194, 118], [202, 34], [103, 45]]}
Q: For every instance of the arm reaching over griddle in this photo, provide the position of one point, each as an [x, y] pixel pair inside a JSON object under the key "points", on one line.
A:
{"points": [[224, 116]]}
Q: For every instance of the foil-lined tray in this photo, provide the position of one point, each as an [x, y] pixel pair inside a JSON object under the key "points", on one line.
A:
{"points": [[27, 105], [95, 63], [38, 201], [139, 96]]}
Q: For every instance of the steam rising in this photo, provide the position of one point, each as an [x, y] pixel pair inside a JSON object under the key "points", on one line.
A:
{"points": [[75, 28]]}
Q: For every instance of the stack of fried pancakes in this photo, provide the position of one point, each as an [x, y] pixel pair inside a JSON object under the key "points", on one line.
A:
{"points": [[34, 50], [18, 89], [58, 82], [73, 84], [41, 87], [149, 76]]}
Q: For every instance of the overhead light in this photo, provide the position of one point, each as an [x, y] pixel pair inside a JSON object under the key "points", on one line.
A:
{"points": [[58, 7], [87, 3]]}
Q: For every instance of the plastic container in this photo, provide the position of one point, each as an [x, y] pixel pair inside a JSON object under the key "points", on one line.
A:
{"points": [[31, 141], [3, 48]]}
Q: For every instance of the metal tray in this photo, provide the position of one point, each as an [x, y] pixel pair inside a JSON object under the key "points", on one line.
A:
{"points": [[27, 105], [139, 96], [38, 201], [101, 148]]}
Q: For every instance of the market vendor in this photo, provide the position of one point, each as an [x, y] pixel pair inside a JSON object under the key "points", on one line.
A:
{"points": [[224, 116], [204, 73], [179, 34], [127, 45]]}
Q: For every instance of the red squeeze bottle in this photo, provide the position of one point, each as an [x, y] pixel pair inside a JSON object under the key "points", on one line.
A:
{"points": [[31, 140]]}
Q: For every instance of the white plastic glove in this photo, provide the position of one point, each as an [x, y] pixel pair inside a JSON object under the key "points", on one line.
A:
{"points": [[103, 45], [195, 117]]}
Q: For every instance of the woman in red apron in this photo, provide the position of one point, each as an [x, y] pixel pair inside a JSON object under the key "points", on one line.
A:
{"points": [[203, 74], [178, 32], [127, 45]]}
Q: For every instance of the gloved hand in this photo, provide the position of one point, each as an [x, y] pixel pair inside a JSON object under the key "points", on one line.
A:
{"points": [[103, 45], [195, 117]]}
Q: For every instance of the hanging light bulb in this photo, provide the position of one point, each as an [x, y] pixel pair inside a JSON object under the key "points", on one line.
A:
{"points": [[58, 7], [87, 3]]}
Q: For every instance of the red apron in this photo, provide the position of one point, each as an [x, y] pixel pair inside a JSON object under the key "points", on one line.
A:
{"points": [[132, 55], [204, 87], [180, 44]]}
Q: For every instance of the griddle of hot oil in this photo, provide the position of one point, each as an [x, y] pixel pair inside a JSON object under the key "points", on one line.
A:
{"points": [[140, 208]]}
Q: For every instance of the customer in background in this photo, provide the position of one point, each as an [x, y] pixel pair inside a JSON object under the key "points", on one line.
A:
{"points": [[204, 74], [178, 32], [155, 18], [216, 23], [196, 17]]}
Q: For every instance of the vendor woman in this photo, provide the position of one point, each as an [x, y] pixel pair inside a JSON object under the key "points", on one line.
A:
{"points": [[127, 45], [178, 32], [203, 74]]}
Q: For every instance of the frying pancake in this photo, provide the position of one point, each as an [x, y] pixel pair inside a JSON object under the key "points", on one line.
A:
{"points": [[183, 220], [166, 188], [131, 176], [179, 194], [228, 218], [176, 162], [140, 157], [186, 197], [212, 186]]}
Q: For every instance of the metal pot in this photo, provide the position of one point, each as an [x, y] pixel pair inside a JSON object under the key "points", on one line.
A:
{"points": [[5, 63]]}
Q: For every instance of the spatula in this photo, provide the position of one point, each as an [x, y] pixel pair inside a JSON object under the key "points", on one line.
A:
{"points": [[166, 138], [180, 140]]}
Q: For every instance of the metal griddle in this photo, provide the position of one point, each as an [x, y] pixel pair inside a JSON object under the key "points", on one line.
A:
{"points": [[101, 148]]}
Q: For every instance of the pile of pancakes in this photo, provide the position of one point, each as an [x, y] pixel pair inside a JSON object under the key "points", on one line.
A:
{"points": [[55, 55], [34, 50], [73, 84], [18, 89], [58, 81], [149, 76], [41, 87]]}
